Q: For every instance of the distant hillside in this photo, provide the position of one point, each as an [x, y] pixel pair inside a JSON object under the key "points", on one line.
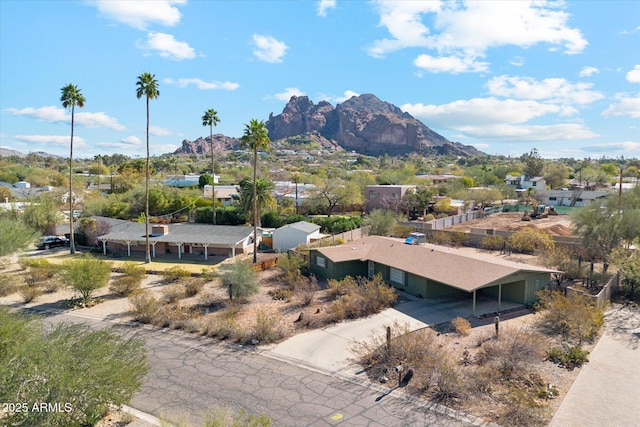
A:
{"points": [[363, 124]]}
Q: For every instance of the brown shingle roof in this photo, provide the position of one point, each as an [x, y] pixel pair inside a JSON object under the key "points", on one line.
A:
{"points": [[455, 268]]}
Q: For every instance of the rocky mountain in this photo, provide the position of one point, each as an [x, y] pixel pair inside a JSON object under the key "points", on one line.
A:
{"points": [[364, 124], [202, 145]]}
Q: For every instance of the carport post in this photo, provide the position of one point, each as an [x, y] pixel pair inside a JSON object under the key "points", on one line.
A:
{"points": [[104, 247], [499, 296], [206, 250], [128, 242], [474, 302]]}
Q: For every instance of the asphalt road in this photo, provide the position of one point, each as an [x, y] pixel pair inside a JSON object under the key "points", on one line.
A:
{"points": [[190, 376]]}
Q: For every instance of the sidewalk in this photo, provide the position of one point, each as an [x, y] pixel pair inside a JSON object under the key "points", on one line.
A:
{"points": [[607, 391]]}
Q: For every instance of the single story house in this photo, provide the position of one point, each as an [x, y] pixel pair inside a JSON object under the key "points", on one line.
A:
{"points": [[202, 239], [430, 271], [293, 235], [225, 194]]}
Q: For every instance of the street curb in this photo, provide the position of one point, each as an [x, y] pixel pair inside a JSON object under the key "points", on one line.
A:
{"points": [[147, 418]]}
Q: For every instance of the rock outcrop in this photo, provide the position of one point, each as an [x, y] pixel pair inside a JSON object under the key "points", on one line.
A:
{"points": [[202, 145], [364, 124]]}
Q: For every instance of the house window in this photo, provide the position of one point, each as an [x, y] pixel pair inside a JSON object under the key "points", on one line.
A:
{"points": [[321, 261], [533, 184], [394, 195], [397, 276], [553, 198], [372, 194]]}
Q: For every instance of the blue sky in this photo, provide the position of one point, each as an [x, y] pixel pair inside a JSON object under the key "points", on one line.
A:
{"points": [[504, 76]]}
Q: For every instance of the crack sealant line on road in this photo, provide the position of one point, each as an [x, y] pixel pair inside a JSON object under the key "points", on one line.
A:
{"points": [[342, 374]]}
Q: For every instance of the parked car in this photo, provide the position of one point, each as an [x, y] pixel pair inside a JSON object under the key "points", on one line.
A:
{"points": [[48, 242]]}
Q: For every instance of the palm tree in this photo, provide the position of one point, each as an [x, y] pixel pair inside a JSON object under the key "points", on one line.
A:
{"points": [[147, 87], [71, 96], [264, 193], [211, 119], [255, 136]]}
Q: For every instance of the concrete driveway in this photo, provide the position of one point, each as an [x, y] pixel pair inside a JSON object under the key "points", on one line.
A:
{"points": [[327, 349]]}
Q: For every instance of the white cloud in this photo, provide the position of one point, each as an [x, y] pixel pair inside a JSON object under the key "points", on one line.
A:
{"points": [[268, 49], [450, 64], [201, 84], [555, 90], [346, 95], [56, 114], [628, 148], [159, 131], [288, 93], [624, 107], [140, 14], [481, 146], [167, 46], [479, 111], [97, 120], [52, 139], [165, 148], [633, 76], [491, 118], [131, 140], [467, 29], [588, 71], [324, 5]]}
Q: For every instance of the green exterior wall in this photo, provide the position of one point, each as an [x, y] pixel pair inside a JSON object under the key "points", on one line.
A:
{"points": [[520, 288]]}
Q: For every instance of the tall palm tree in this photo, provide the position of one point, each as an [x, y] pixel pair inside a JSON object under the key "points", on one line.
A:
{"points": [[255, 136], [211, 119], [71, 96], [147, 87], [264, 193]]}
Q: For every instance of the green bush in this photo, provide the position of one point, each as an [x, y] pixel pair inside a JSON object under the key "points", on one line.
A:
{"points": [[574, 317], [281, 294], [7, 285], [174, 274], [30, 292], [574, 357], [267, 328], [530, 239], [86, 274], [493, 243], [359, 297], [90, 370], [240, 279]]}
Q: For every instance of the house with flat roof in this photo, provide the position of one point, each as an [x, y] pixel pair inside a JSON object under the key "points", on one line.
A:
{"points": [[430, 271], [178, 239]]}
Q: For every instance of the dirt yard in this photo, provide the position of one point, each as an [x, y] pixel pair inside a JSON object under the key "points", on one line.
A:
{"points": [[557, 225]]}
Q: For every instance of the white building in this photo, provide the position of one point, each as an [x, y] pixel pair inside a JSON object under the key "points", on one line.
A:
{"points": [[296, 234]]}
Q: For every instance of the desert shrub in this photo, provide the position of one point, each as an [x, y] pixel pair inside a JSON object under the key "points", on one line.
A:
{"points": [[30, 292], [86, 274], [7, 285], [493, 243], [429, 217], [281, 294], [564, 260], [574, 357], [132, 269], [531, 240], [521, 409], [401, 231], [305, 289], [440, 238], [192, 286], [35, 277], [172, 293], [223, 327], [208, 274], [574, 317], [359, 297], [144, 306], [174, 274], [240, 279], [125, 285], [222, 416], [512, 351], [173, 316], [267, 327], [461, 325], [290, 264]]}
